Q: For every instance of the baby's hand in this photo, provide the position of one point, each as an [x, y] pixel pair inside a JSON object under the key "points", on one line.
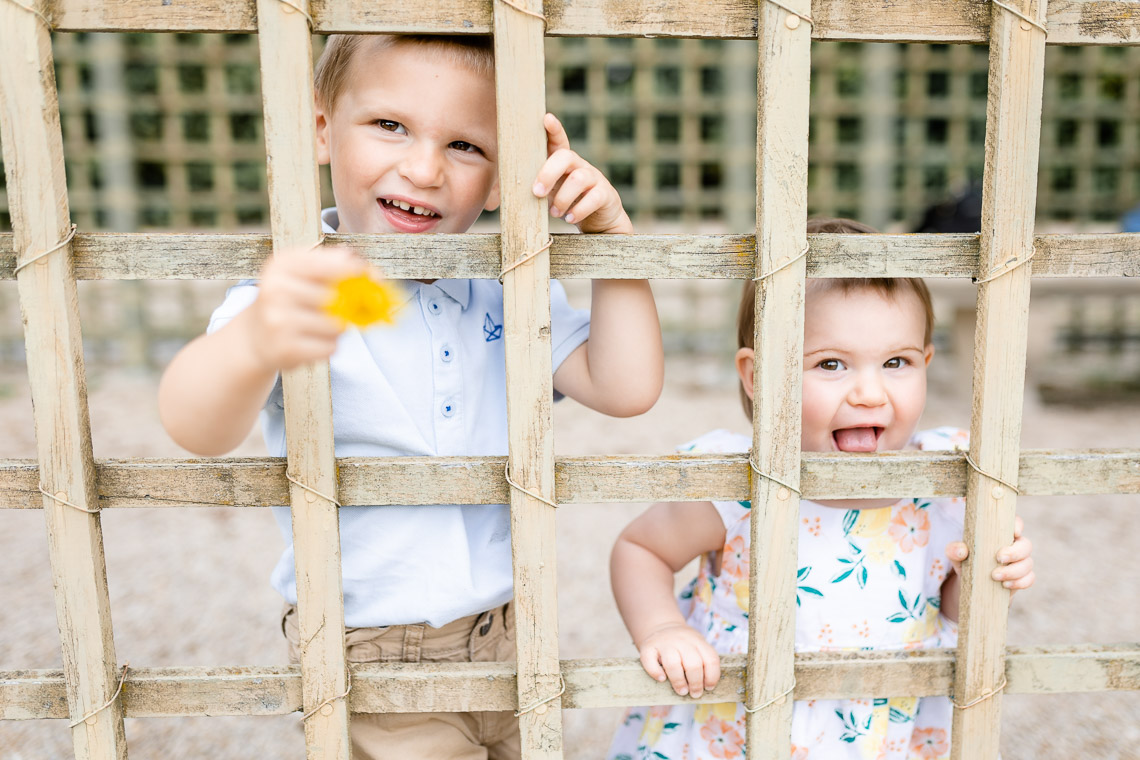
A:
{"points": [[1016, 559], [289, 320], [682, 655], [578, 191]]}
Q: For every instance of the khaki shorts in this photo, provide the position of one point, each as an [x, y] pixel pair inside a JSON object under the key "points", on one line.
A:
{"points": [[487, 637]]}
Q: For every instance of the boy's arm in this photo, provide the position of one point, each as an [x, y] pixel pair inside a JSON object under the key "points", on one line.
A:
{"points": [[620, 370], [210, 394], [1015, 572], [646, 556]]}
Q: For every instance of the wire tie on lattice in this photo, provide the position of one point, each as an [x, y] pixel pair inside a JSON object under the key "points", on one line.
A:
{"points": [[65, 502], [108, 703], [525, 11], [794, 15], [33, 11], [756, 469], [987, 695], [517, 487], [314, 491], [1022, 16], [783, 266], [1006, 269], [528, 257], [66, 239], [293, 7], [541, 702], [991, 476], [330, 700], [778, 699]]}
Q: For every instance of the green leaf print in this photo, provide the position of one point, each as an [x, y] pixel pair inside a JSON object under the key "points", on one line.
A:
{"points": [[900, 571], [801, 575], [803, 572], [842, 575], [849, 520], [898, 716], [863, 577]]}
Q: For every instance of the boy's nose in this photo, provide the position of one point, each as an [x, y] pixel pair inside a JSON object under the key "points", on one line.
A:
{"points": [[868, 390], [422, 166]]}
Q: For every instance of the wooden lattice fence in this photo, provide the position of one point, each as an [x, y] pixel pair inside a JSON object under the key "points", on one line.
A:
{"points": [[72, 488]]}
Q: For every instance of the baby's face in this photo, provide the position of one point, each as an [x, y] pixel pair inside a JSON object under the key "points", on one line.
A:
{"points": [[411, 142], [864, 382]]}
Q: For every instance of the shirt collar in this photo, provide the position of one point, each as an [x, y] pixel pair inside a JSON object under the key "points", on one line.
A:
{"points": [[458, 290]]}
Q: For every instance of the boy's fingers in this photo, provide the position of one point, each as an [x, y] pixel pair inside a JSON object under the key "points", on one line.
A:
{"points": [[1020, 584], [1018, 526], [556, 137], [957, 551], [694, 673], [1018, 550], [553, 171], [1014, 571], [576, 184], [589, 203], [675, 671], [712, 669], [649, 661]]}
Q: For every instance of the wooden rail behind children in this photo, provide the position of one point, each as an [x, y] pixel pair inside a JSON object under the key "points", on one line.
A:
{"points": [[94, 692]]}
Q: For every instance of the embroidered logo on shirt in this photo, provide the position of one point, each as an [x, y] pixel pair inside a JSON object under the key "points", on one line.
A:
{"points": [[491, 331]]}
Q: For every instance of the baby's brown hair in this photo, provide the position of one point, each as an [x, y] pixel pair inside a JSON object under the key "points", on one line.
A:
{"points": [[888, 286], [476, 52]]}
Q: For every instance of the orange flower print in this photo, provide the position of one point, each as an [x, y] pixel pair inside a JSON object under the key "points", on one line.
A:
{"points": [[812, 525], [734, 563], [929, 743], [723, 738], [910, 527], [800, 753]]}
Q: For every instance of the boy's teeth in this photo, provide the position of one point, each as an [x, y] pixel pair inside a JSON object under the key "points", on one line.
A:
{"points": [[414, 209]]}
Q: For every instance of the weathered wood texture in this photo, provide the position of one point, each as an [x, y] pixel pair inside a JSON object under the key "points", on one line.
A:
{"points": [[520, 90], [783, 80], [1013, 131], [479, 480], [166, 692], [37, 196], [1071, 22], [294, 202], [228, 257]]}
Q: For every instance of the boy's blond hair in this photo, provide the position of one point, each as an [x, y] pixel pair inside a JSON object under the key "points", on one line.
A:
{"points": [[888, 286], [476, 52]]}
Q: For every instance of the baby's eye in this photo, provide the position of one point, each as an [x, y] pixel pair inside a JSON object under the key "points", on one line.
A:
{"points": [[391, 126], [830, 365], [465, 147], [896, 362]]}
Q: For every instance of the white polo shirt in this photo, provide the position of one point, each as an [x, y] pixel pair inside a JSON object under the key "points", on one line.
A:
{"points": [[433, 384]]}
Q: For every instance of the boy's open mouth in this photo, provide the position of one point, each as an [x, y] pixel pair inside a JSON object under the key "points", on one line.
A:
{"points": [[857, 438], [407, 208]]}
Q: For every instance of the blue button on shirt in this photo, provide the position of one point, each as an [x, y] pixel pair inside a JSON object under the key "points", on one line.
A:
{"points": [[432, 384]]}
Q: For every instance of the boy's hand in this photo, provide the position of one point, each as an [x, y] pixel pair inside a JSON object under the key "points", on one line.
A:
{"points": [[578, 191], [1016, 559], [289, 322], [682, 655]]}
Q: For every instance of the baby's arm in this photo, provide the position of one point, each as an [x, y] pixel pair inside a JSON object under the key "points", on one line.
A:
{"points": [[1015, 573], [210, 394], [645, 558], [620, 369]]}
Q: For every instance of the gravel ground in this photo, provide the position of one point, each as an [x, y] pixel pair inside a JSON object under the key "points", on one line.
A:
{"points": [[189, 587]]}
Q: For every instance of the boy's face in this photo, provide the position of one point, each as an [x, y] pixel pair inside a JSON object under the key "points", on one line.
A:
{"points": [[864, 381], [414, 128]]}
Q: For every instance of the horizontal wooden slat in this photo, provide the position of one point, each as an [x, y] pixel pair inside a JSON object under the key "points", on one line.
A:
{"points": [[142, 256], [1071, 22], [198, 691], [479, 480]]}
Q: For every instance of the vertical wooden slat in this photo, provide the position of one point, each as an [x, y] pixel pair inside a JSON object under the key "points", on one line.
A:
{"points": [[37, 197], [1013, 130], [294, 201], [521, 97], [781, 236]]}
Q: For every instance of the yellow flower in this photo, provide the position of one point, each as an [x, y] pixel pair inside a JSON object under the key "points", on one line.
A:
{"points": [[905, 705], [363, 301], [881, 550], [741, 589], [703, 592], [872, 522], [726, 711]]}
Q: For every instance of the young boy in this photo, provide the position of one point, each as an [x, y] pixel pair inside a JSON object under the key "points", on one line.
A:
{"points": [[408, 126]]}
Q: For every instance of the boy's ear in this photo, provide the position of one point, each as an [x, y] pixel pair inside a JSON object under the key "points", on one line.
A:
{"points": [[744, 368], [928, 354], [493, 197], [323, 137]]}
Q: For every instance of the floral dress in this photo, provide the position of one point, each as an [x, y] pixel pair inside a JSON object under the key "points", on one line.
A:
{"points": [[867, 580]]}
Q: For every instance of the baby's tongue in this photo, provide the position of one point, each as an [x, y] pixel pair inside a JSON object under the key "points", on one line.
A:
{"points": [[855, 439]]}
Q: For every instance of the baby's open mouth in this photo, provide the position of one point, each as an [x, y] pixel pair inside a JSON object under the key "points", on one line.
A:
{"points": [[409, 208], [857, 438]]}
